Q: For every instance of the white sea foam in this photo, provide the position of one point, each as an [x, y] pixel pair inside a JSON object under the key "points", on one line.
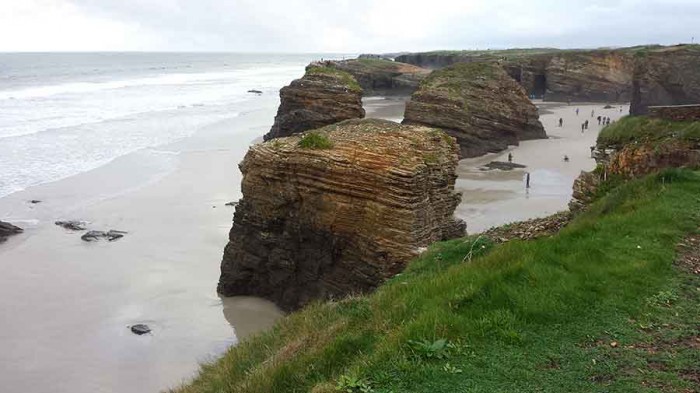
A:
{"points": [[52, 131]]}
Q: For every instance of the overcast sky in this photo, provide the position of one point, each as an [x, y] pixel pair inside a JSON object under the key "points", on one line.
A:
{"points": [[347, 26]]}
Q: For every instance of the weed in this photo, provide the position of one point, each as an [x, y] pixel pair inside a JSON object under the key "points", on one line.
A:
{"points": [[315, 141]]}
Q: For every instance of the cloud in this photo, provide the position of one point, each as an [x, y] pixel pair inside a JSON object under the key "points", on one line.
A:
{"points": [[348, 26]]}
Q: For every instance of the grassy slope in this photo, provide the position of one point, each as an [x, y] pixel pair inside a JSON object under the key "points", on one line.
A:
{"points": [[641, 129], [533, 316]]}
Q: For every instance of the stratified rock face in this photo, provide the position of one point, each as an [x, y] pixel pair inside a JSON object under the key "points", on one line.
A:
{"points": [[556, 75], [637, 160], [383, 77], [666, 76], [477, 103], [596, 76], [7, 229], [321, 223], [323, 96]]}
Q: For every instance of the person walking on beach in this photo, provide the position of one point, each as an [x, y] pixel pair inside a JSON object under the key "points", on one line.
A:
{"points": [[561, 122], [592, 112], [586, 124], [527, 180], [576, 111], [607, 122], [510, 157], [583, 127], [599, 119]]}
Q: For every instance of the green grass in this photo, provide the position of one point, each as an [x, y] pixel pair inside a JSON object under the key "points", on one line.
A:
{"points": [[644, 129], [316, 141], [343, 76], [535, 316]]}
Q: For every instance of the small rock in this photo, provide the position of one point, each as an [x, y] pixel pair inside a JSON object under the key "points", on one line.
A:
{"points": [[233, 203], [504, 166], [111, 235], [34, 201], [254, 91], [72, 225], [140, 329], [613, 344], [7, 229]]}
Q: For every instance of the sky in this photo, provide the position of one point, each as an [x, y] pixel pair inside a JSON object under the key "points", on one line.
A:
{"points": [[340, 26]]}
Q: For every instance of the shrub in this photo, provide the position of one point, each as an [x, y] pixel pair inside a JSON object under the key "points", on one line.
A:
{"points": [[316, 141]]}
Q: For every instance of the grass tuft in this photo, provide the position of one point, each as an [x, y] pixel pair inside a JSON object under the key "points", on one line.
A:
{"points": [[316, 141]]}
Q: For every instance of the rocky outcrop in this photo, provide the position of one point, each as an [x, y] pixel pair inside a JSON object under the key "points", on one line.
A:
{"points": [[341, 214], [381, 76], [585, 189], [478, 104], [676, 112], [666, 76], [636, 160], [323, 96], [7, 229], [601, 75]]}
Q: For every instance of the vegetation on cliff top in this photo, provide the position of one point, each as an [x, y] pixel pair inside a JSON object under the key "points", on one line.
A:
{"points": [[642, 129], [344, 77], [597, 307], [316, 141]]}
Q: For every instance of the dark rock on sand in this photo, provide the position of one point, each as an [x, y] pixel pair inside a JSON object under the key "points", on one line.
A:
{"points": [[323, 96], [328, 222], [232, 203], [111, 235], [34, 201], [504, 166], [255, 91], [7, 229], [140, 329], [72, 225], [479, 105]]}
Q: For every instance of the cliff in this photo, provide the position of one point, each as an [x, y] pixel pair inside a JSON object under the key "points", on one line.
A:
{"points": [[381, 76], [666, 76], [634, 147], [338, 210], [477, 103], [321, 97], [600, 75]]}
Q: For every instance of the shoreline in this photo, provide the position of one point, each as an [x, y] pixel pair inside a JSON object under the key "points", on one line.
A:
{"points": [[162, 272]]}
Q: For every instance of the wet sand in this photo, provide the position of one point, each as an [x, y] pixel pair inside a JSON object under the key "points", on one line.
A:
{"points": [[492, 198], [66, 304]]}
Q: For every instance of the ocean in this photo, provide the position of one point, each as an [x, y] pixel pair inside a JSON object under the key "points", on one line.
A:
{"points": [[66, 113]]}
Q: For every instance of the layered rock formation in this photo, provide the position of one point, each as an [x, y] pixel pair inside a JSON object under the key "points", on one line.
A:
{"points": [[323, 96], [7, 229], [340, 215], [666, 76], [477, 103], [381, 76], [555, 75]]}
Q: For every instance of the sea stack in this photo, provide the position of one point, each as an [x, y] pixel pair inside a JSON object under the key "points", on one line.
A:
{"points": [[477, 103], [339, 210], [323, 96], [381, 77]]}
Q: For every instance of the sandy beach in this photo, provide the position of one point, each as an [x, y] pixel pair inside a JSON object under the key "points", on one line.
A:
{"points": [[492, 198], [68, 303]]}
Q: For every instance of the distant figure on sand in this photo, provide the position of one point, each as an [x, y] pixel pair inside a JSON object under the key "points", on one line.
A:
{"points": [[592, 112], [607, 122], [599, 119], [592, 151], [561, 122], [583, 127], [586, 124], [510, 157], [527, 180], [576, 111], [566, 158]]}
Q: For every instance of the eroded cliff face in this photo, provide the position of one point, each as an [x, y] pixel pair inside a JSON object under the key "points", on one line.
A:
{"points": [[666, 76], [477, 103], [555, 75], [328, 222], [381, 76], [321, 97]]}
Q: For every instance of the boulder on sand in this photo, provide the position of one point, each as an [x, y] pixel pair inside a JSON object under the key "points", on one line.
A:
{"points": [[7, 229]]}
